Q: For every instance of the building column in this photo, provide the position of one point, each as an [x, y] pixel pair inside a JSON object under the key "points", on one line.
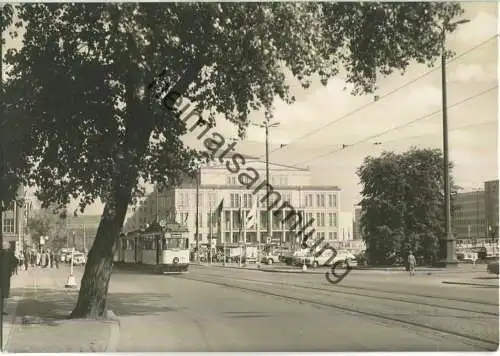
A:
{"points": [[243, 227]]}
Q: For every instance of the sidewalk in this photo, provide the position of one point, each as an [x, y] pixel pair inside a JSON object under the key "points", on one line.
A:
{"points": [[38, 316]]}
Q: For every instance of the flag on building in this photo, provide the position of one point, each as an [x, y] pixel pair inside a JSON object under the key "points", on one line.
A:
{"points": [[218, 215], [252, 215], [218, 211]]}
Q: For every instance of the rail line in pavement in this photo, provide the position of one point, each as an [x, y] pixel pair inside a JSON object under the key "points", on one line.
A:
{"points": [[389, 296], [343, 286], [415, 326]]}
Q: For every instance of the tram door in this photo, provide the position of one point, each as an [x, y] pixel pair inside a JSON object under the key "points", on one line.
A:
{"points": [[159, 248]]}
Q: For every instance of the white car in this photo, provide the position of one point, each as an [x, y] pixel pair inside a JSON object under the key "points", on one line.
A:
{"points": [[79, 259], [270, 258], [346, 257]]}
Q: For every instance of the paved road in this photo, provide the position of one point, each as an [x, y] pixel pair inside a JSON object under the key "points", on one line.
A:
{"points": [[216, 309]]}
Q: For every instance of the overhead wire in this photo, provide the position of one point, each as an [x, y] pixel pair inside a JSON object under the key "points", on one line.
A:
{"points": [[380, 97], [463, 127], [460, 102]]}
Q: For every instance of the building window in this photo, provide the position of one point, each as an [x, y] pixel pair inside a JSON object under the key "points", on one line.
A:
{"points": [[233, 180], [317, 200], [330, 235], [322, 216], [309, 200], [228, 180], [9, 225], [247, 200], [235, 200], [322, 197], [332, 219], [263, 219], [227, 220]]}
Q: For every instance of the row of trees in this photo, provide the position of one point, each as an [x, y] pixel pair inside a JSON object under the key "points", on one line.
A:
{"points": [[403, 205], [45, 222], [89, 128]]}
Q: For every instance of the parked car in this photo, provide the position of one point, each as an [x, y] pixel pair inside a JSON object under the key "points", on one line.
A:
{"points": [[270, 258], [492, 267], [79, 258], [344, 258]]}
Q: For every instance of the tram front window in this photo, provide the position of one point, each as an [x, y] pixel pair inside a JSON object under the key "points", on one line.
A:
{"points": [[174, 244]]}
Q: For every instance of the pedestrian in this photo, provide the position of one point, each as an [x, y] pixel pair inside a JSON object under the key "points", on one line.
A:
{"points": [[6, 270], [26, 259], [33, 258], [56, 260], [51, 256], [44, 262], [38, 258], [411, 263]]}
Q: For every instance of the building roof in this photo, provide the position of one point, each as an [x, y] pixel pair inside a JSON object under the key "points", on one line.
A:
{"points": [[251, 159], [275, 187]]}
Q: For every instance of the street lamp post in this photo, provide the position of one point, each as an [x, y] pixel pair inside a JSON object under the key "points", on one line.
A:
{"points": [[448, 248], [266, 124], [198, 170]]}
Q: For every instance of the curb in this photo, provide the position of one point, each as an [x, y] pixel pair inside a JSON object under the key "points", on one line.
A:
{"points": [[114, 334], [12, 326], [470, 284], [292, 271]]}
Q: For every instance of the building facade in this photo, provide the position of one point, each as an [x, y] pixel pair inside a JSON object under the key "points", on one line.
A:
{"points": [[475, 213], [491, 207], [469, 215], [346, 226], [14, 223], [356, 229], [238, 192]]}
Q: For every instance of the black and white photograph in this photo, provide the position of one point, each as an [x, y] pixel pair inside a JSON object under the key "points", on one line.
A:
{"points": [[249, 177]]}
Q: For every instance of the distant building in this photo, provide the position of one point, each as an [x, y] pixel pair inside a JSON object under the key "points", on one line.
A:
{"points": [[81, 230], [345, 226], [476, 213], [356, 229], [14, 223], [491, 207], [469, 216], [217, 184]]}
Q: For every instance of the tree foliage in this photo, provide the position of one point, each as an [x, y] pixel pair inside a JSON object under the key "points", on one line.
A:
{"points": [[403, 205], [45, 222], [79, 84]]}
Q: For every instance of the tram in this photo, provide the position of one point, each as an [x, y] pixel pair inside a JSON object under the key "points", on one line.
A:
{"points": [[165, 247]]}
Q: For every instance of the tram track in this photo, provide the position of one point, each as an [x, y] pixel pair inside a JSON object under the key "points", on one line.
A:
{"points": [[411, 298], [416, 294], [401, 319]]}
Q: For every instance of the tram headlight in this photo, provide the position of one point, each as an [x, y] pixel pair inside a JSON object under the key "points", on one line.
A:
{"points": [[175, 260]]}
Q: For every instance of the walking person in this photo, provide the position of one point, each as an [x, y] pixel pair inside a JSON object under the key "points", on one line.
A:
{"points": [[7, 263], [32, 258], [26, 259], [51, 256], [411, 263], [56, 260]]}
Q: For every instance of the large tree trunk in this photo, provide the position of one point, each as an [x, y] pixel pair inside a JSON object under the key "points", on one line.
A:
{"points": [[95, 281]]}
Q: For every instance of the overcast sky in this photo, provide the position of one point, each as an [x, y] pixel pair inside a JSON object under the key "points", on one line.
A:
{"points": [[473, 124]]}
